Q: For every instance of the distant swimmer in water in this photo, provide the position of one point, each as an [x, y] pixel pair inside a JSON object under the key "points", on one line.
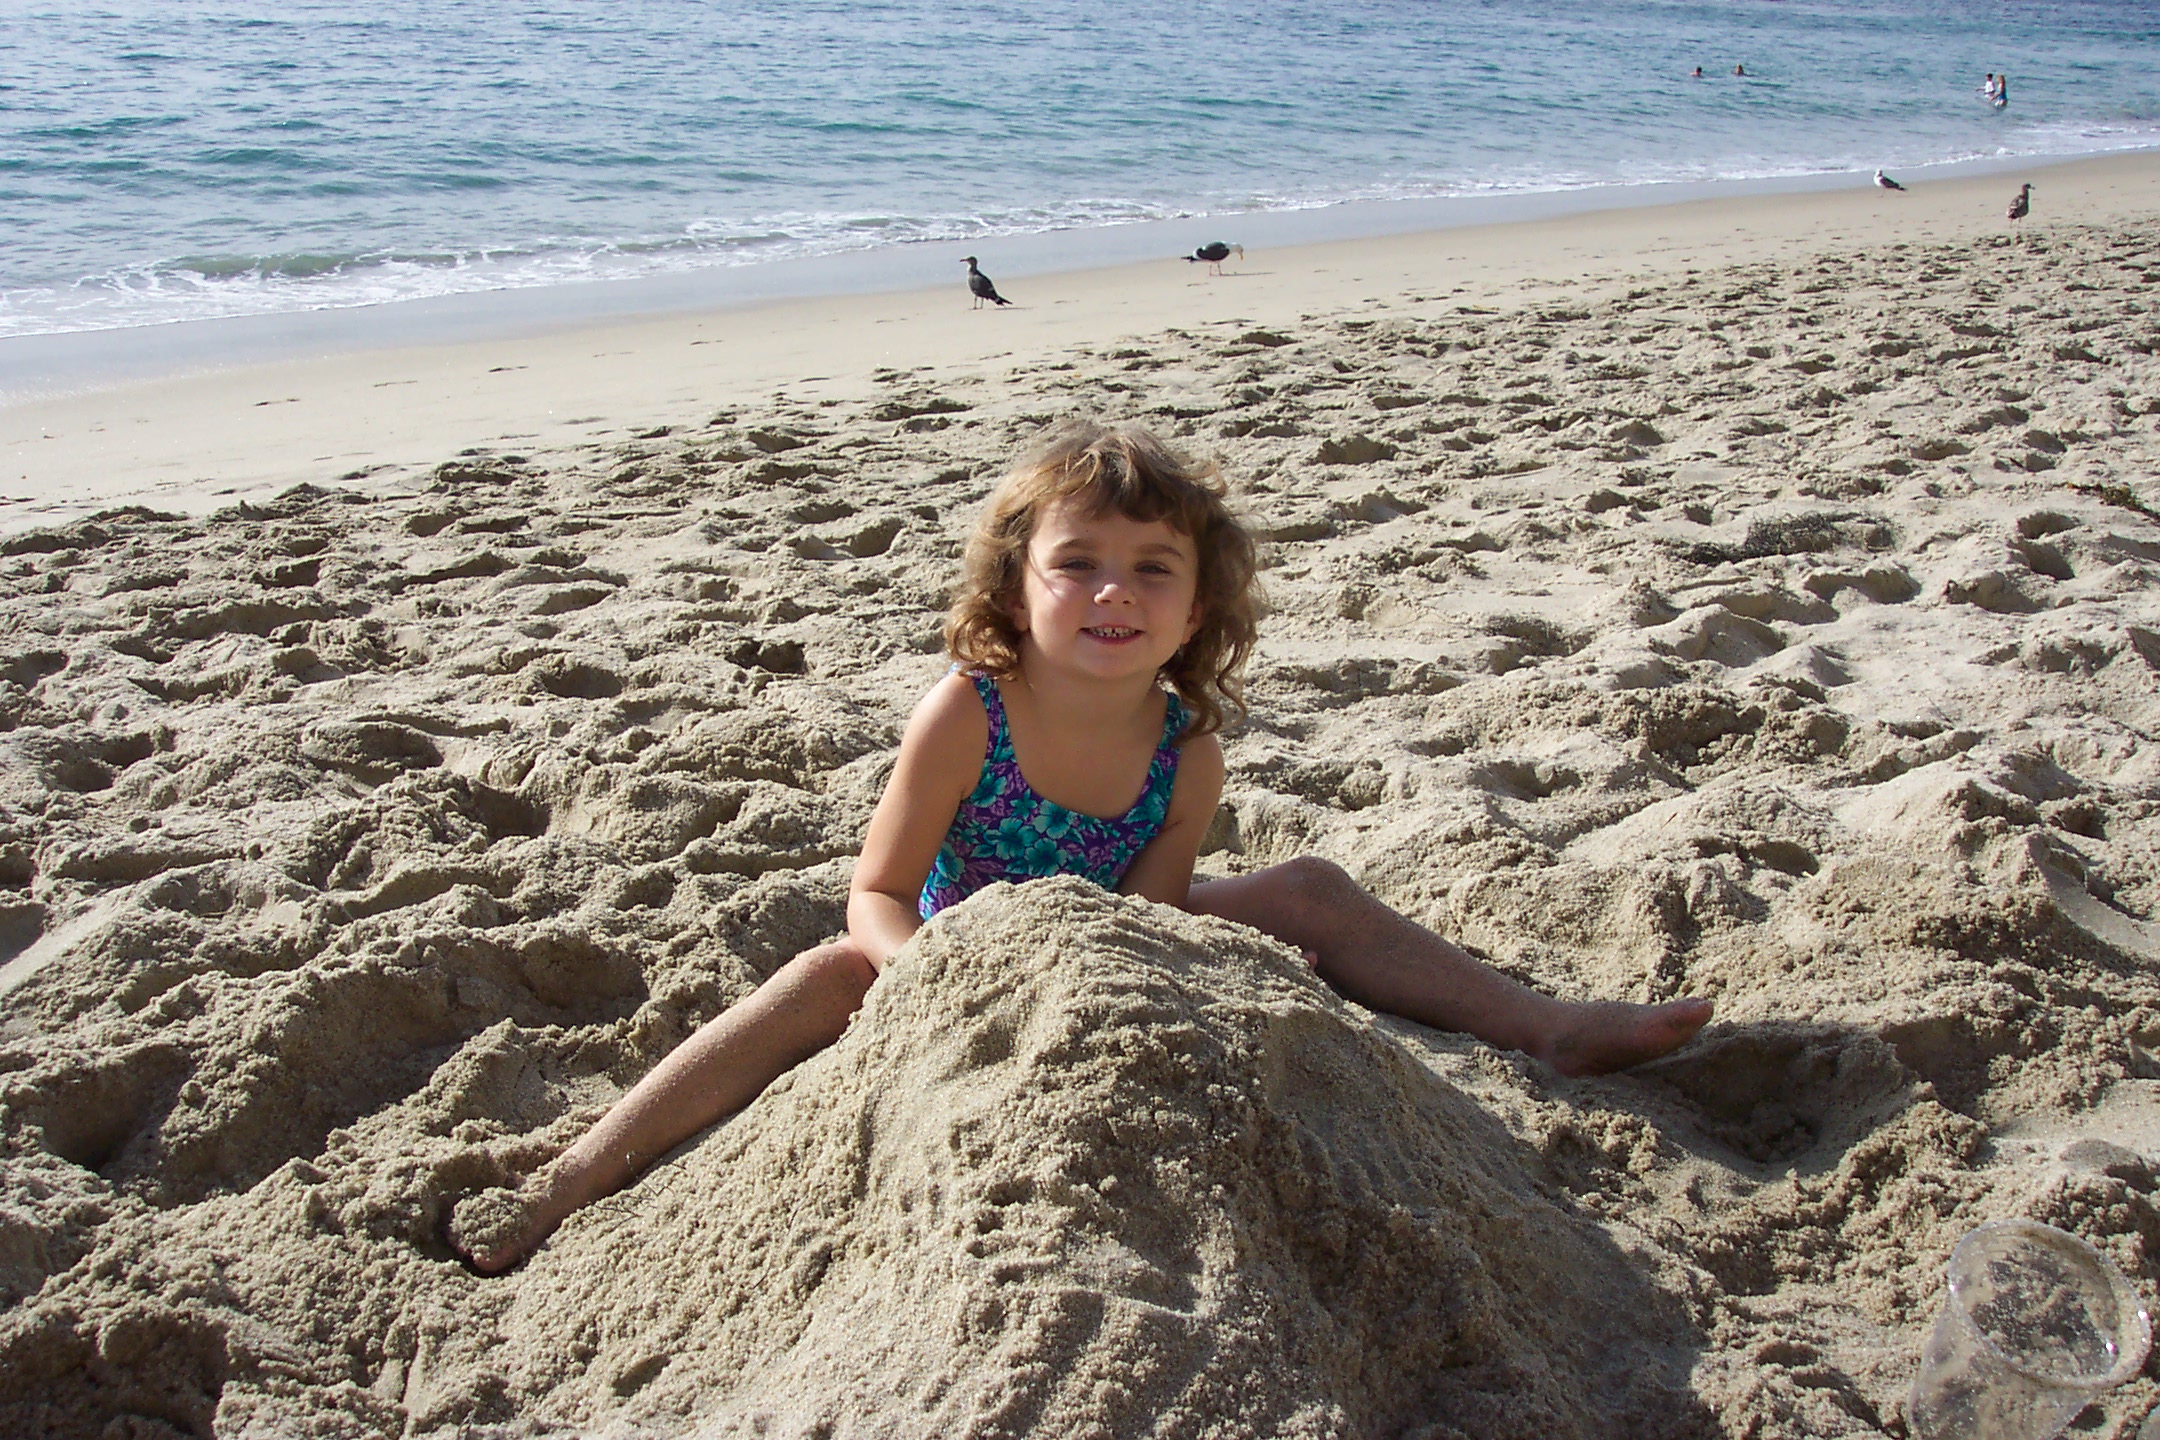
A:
{"points": [[1739, 69], [1696, 73], [2002, 91]]}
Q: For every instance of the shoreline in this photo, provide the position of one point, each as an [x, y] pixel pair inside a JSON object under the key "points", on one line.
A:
{"points": [[379, 418], [54, 365]]}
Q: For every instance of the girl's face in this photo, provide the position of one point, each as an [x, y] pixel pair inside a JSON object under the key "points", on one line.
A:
{"points": [[1105, 595]]}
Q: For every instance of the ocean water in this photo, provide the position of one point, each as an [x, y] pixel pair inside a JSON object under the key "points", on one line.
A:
{"points": [[165, 160]]}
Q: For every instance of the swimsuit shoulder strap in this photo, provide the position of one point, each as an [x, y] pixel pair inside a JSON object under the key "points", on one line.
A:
{"points": [[1175, 718], [993, 702], [998, 742]]}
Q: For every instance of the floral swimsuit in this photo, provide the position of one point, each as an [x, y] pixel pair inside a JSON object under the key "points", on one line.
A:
{"points": [[1005, 831]]}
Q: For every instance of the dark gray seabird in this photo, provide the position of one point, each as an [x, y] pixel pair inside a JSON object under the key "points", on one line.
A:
{"points": [[1215, 252], [980, 287], [2020, 204]]}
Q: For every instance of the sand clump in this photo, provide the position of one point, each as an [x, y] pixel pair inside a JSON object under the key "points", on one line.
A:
{"points": [[1783, 633]]}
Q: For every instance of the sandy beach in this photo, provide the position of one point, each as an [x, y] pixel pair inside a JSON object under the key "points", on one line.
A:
{"points": [[401, 750]]}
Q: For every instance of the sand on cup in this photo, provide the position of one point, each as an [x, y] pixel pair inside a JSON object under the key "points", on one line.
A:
{"points": [[1774, 630], [2035, 1323]]}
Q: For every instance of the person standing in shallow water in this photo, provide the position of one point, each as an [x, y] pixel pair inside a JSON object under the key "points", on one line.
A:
{"points": [[1108, 607]]}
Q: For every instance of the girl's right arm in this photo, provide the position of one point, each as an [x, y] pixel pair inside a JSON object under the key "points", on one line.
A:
{"points": [[941, 759]]}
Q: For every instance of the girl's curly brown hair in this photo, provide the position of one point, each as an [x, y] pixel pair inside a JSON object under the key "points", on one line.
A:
{"points": [[1125, 471]]}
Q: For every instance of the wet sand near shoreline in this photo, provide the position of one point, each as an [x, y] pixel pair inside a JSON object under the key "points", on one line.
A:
{"points": [[1766, 615], [378, 420]]}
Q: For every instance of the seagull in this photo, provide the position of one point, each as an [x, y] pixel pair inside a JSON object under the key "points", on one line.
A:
{"points": [[2020, 204], [1215, 252], [1886, 182], [980, 287]]}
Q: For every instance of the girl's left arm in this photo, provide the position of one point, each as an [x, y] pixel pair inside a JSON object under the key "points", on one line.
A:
{"points": [[1163, 871]]}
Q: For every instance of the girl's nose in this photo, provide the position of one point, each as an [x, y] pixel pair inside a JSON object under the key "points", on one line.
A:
{"points": [[1112, 588]]}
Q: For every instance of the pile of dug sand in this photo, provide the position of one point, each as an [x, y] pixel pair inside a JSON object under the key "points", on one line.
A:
{"points": [[1785, 634]]}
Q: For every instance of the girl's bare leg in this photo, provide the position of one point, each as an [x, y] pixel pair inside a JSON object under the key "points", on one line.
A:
{"points": [[724, 1066], [1386, 962]]}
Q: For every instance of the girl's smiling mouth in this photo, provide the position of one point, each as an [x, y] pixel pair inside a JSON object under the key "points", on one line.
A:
{"points": [[1111, 632]]}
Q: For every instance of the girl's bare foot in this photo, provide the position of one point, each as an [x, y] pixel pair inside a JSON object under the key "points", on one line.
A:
{"points": [[495, 1229], [1601, 1038]]}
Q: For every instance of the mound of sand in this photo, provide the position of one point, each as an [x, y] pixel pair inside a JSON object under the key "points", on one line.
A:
{"points": [[1087, 1166], [1783, 633]]}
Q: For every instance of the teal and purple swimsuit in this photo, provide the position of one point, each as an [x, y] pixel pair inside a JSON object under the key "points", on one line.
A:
{"points": [[1005, 831]]}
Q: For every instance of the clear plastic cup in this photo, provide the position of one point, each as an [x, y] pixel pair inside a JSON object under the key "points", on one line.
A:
{"points": [[2036, 1323]]}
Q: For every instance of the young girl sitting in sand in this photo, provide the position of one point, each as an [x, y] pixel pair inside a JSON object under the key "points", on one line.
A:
{"points": [[1108, 607]]}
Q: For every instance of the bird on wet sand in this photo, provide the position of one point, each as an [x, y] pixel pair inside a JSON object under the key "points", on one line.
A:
{"points": [[1215, 252], [1885, 182], [2020, 204], [980, 287]]}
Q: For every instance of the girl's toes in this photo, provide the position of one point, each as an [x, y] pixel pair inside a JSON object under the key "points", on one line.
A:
{"points": [[491, 1231]]}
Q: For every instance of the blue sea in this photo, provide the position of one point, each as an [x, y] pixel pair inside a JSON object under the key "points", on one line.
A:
{"points": [[167, 160]]}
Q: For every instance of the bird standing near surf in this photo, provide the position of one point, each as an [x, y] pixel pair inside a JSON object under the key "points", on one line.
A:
{"points": [[1884, 182], [2020, 204], [980, 287], [1214, 253]]}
